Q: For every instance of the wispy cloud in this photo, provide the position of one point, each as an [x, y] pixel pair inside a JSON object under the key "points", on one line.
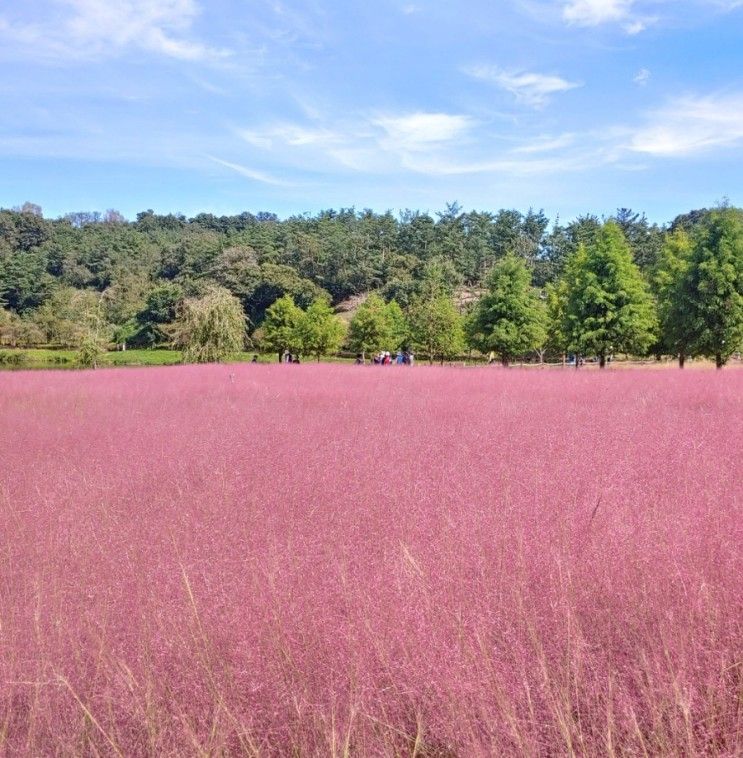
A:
{"points": [[642, 77], [531, 88], [598, 12], [420, 131], [88, 29], [595, 12], [250, 173], [546, 144], [691, 125]]}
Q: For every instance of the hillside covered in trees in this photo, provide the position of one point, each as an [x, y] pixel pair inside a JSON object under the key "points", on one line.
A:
{"points": [[128, 280]]}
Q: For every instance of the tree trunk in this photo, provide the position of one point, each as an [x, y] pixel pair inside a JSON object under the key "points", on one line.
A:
{"points": [[504, 362], [719, 363], [682, 359], [281, 355], [602, 361], [564, 358]]}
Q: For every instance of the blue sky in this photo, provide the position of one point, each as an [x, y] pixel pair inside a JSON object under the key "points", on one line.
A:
{"points": [[298, 105]]}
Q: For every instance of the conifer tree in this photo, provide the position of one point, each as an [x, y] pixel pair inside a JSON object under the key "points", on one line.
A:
{"points": [[608, 307], [509, 319], [669, 279], [712, 287]]}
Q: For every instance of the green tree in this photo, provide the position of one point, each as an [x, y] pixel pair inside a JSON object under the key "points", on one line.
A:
{"points": [[211, 328], [375, 326], [69, 315], [159, 310], [668, 282], [280, 328], [435, 328], [608, 307], [275, 281], [90, 351], [320, 331], [712, 286], [509, 318], [398, 325], [555, 306]]}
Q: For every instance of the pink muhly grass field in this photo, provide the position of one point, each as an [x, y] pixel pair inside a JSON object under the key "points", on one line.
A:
{"points": [[335, 560]]}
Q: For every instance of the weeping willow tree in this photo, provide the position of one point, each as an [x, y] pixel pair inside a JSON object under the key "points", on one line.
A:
{"points": [[211, 328]]}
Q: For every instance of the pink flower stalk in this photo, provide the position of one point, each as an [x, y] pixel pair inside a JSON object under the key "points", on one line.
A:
{"points": [[334, 560]]}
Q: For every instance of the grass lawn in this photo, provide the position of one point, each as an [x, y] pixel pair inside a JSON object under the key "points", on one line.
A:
{"points": [[15, 358]]}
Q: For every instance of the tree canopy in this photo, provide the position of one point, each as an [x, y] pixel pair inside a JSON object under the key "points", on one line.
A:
{"points": [[435, 328], [509, 319], [375, 326], [209, 329], [608, 307], [591, 273], [711, 287]]}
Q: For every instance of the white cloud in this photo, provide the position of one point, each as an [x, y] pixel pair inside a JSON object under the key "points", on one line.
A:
{"points": [[636, 26], [691, 125], [420, 131], [98, 28], [250, 173], [546, 144], [642, 77], [595, 12], [528, 87], [290, 135]]}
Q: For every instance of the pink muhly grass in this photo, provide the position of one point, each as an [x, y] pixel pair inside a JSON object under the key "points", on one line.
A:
{"points": [[334, 560]]}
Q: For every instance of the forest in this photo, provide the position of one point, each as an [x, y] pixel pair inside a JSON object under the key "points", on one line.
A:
{"points": [[128, 281]]}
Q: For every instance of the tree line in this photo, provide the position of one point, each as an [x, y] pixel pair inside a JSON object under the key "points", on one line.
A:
{"points": [[505, 283]]}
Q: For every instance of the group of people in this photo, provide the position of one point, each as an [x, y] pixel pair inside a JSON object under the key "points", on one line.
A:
{"points": [[287, 357], [385, 358]]}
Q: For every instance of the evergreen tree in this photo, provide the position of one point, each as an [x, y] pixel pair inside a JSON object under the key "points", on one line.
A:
{"points": [[509, 318], [608, 307], [281, 326], [159, 310], [320, 331], [668, 282], [712, 287], [555, 302], [435, 328]]}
